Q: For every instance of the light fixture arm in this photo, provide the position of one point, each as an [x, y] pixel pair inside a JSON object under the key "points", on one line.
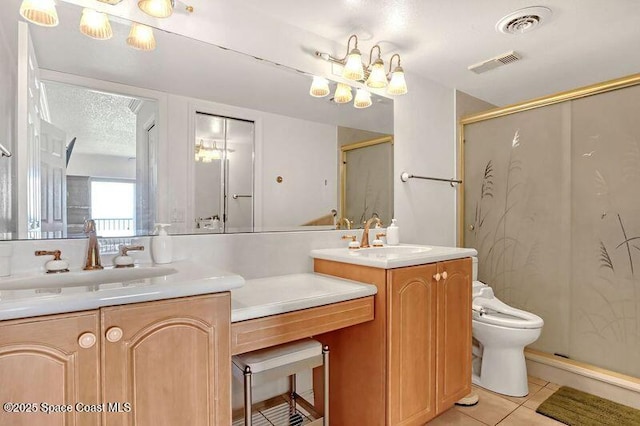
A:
{"points": [[371, 54], [341, 61], [396, 55]]}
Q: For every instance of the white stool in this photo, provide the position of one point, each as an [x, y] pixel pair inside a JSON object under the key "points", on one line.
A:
{"points": [[280, 361]]}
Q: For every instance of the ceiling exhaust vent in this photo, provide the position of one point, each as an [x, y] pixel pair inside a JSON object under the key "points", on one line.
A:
{"points": [[523, 20], [498, 61]]}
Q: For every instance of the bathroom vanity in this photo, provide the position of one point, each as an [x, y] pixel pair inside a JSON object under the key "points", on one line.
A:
{"points": [[413, 361]]}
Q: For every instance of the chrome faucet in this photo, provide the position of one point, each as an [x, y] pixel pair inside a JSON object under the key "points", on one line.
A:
{"points": [[367, 225], [92, 261]]}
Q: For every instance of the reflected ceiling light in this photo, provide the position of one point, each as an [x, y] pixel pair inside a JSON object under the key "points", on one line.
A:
{"points": [[207, 151], [319, 87], [40, 12], [141, 37], [363, 99], [157, 8], [343, 94], [95, 25], [372, 74], [397, 85]]}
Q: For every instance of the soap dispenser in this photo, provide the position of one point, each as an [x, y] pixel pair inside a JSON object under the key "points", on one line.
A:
{"points": [[393, 234], [161, 244]]}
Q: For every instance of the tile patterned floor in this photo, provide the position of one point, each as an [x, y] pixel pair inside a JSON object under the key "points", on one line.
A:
{"points": [[495, 409]]}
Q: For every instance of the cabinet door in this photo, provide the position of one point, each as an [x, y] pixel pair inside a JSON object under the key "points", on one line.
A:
{"points": [[171, 365], [454, 332], [411, 332], [42, 362]]}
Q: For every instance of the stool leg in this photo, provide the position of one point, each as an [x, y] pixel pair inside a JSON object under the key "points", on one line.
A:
{"points": [[247, 397], [325, 370], [292, 394]]}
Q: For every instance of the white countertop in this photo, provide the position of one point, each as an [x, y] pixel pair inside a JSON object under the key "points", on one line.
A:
{"points": [[276, 295], [390, 257], [183, 279]]}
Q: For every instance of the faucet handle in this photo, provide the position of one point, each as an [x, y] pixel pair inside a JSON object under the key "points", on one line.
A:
{"points": [[55, 265], [126, 249], [353, 244], [348, 237], [55, 253]]}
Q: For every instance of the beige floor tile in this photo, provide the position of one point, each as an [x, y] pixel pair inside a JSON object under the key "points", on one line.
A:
{"points": [[453, 417], [533, 389], [552, 386], [538, 398], [525, 416], [537, 381], [490, 409]]}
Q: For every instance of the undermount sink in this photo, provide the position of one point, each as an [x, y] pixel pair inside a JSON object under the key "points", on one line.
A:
{"points": [[83, 278], [389, 257]]}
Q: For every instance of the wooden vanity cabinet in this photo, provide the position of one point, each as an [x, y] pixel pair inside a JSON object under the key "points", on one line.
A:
{"points": [[41, 361], [413, 361], [157, 363]]}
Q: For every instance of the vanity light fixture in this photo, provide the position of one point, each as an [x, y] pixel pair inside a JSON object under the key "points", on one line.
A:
{"points": [[373, 74], [95, 25], [342, 94], [40, 12], [157, 8], [363, 99], [141, 37], [319, 87]]}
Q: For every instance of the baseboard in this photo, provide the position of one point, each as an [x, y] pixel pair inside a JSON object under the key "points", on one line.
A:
{"points": [[588, 378]]}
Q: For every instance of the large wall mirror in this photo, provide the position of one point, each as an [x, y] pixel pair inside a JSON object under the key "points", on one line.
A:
{"points": [[191, 134]]}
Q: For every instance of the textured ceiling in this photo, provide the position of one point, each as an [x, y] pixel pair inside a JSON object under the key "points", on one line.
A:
{"points": [[102, 123], [584, 42]]}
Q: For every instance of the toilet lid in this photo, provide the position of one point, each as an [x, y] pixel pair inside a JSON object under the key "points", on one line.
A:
{"points": [[499, 313]]}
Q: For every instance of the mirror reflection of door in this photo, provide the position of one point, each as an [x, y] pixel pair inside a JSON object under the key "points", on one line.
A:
{"points": [[53, 177], [223, 171], [367, 180]]}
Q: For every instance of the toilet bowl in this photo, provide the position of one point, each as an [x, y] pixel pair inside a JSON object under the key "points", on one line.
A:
{"points": [[500, 334]]}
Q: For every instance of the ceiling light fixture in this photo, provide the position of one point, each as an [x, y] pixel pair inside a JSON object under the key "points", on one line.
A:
{"points": [[373, 74], [40, 12], [95, 25], [141, 37]]}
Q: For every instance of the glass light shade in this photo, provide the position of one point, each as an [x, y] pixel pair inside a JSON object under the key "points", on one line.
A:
{"points": [[319, 87], [156, 8], [363, 99], [343, 94], [377, 77], [40, 12], [95, 25], [397, 85], [353, 69], [141, 37]]}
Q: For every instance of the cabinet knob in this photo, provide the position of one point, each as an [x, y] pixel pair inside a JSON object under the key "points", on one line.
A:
{"points": [[437, 276], [444, 275], [87, 340], [114, 334]]}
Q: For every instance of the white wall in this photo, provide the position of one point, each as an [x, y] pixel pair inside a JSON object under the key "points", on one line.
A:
{"points": [[101, 166], [8, 69], [424, 130]]}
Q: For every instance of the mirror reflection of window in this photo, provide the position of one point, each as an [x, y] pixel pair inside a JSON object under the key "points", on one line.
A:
{"points": [[113, 207]]}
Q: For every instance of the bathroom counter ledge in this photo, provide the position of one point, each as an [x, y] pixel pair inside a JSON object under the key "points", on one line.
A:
{"points": [[186, 279], [270, 311], [262, 297]]}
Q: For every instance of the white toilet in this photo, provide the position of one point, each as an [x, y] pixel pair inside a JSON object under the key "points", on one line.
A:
{"points": [[500, 334]]}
